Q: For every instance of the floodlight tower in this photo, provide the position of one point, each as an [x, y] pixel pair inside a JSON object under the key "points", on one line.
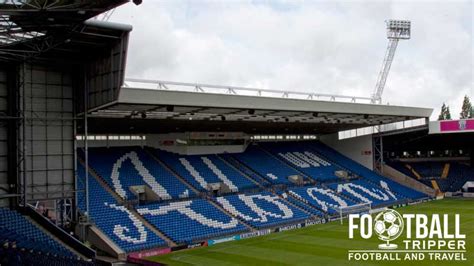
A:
{"points": [[396, 30]]}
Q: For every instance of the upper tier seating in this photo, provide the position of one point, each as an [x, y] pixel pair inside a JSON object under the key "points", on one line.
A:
{"points": [[261, 209], [191, 220], [304, 160], [114, 220], [264, 164], [14, 227], [125, 167], [322, 198], [199, 171]]}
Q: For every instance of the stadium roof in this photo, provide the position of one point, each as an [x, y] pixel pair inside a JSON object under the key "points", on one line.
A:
{"points": [[163, 111], [31, 28]]}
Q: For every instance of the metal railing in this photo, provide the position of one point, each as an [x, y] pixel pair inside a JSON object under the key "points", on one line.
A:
{"points": [[243, 91]]}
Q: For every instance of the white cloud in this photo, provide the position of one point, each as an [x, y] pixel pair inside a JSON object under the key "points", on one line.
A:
{"points": [[328, 47]]}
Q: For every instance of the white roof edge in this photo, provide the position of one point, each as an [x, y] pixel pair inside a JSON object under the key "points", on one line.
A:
{"points": [[129, 95]]}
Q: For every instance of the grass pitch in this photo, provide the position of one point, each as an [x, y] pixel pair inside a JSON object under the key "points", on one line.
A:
{"points": [[325, 244]]}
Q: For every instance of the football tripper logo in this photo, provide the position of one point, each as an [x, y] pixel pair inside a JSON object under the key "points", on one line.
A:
{"points": [[388, 225]]}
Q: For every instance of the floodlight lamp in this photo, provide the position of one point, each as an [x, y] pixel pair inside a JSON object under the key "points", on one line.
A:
{"points": [[398, 29]]}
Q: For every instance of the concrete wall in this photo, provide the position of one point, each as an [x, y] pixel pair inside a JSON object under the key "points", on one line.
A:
{"points": [[401, 178], [358, 149]]}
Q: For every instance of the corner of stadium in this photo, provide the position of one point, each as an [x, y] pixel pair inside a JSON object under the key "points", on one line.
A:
{"points": [[99, 169]]}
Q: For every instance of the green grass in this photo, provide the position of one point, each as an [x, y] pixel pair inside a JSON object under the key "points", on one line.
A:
{"points": [[325, 244]]}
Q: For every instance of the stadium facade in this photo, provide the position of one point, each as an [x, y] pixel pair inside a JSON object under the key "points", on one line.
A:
{"points": [[135, 170]]}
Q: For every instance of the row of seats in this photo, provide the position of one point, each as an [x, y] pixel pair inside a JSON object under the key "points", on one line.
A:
{"points": [[186, 218], [200, 171], [12, 254], [261, 209], [360, 170], [303, 159], [190, 220], [114, 220], [14, 227], [122, 168], [265, 165], [364, 191], [458, 173], [324, 199]]}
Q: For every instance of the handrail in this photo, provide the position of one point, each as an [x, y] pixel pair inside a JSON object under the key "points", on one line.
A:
{"points": [[245, 91]]}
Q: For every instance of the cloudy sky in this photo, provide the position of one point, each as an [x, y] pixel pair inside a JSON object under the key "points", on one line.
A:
{"points": [[319, 46]]}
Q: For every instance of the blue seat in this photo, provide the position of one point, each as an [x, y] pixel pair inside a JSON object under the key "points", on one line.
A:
{"points": [[135, 167], [114, 220], [200, 170], [262, 209], [190, 221]]}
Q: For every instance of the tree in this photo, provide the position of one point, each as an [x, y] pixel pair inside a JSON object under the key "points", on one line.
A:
{"points": [[442, 113], [466, 110], [447, 116]]}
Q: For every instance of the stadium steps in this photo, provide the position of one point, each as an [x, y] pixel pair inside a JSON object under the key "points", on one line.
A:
{"points": [[298, 207], [214, 203], [241, 166], [305, 176], [173, 172], [101, 241], [306, 203], [54, 237], [435, 185], [413, 171], [239, 171], [445, 173], [102, 182]]}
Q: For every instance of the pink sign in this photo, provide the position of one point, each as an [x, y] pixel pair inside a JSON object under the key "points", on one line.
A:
{"points": [[149, 253], [456, 125]]}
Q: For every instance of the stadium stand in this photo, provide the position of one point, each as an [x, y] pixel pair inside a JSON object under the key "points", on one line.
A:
{"points": [[448, 176], [24, 243], [190, 221], [260, 193], [113, 219]]}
